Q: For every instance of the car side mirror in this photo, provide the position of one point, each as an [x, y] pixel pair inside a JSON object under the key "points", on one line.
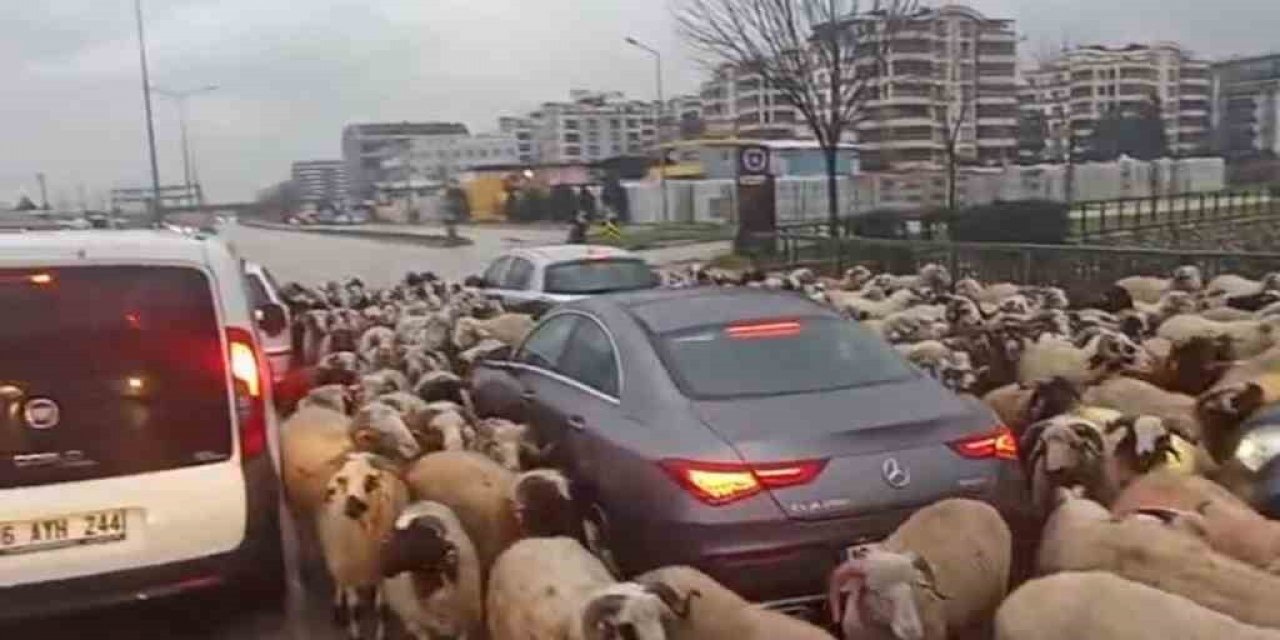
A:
{"points": [[475, 282], [272, 318]]}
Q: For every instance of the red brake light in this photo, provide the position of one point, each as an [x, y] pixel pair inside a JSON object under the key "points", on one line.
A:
{"points": [[999, 444], [774, 329], [250, 396], [720, 483]]}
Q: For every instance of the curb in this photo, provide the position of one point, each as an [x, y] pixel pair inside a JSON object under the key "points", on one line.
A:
{"points": [[431, 240]]}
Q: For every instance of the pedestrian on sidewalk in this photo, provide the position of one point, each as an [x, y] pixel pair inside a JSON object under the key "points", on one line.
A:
{"points": [[578, 229]]}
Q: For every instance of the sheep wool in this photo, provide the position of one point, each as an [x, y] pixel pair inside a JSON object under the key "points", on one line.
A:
{"points": [[1102, 606], [538, 585], [713, 612], [313, 443]]}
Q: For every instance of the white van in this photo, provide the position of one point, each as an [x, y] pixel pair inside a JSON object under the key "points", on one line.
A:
{"points": [[134, 424]]}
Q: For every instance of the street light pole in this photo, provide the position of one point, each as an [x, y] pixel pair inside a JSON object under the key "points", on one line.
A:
{"points": [[188, 158], [157, 209], [662, 107]]}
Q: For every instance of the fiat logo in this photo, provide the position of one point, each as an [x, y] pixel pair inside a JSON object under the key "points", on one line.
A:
{"points": [[896, 475], [42, 413]]}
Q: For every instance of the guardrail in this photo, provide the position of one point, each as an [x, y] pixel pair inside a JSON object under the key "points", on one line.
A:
{"points": [[1082, 270], [1108, 217]]}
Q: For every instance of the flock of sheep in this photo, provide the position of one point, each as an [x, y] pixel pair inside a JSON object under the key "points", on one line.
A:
{"points": [[1127, 413]]}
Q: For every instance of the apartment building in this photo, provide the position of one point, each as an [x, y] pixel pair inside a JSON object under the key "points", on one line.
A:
{"points": [[738, 104], [1246, 100], [366, 148], [1072, 92], [950, 71], [320, 181], [432, 160], [589, 127]]}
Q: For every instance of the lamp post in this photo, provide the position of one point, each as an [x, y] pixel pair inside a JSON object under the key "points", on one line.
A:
{"points": [[157, 210], [188, 157], [662, 108]]}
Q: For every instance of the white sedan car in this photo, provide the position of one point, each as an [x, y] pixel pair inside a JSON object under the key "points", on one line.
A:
{"points": [[535, 279]]}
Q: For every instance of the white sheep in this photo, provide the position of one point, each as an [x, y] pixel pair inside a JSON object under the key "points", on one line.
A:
{"points": [[432, 574], [1138, 397], [508, 328], [1226, 523], [379, 428], [478, 490], [1248, 337], [1066, 450], [383, 381], [1081, 535], [554, 589], [942, 573], [504, 441], [1104, 353], [707, 610], [1102, 606], [1149, 290], [313, 443], [1231, 285], [377, 337], [860, 308], [360, 507]]}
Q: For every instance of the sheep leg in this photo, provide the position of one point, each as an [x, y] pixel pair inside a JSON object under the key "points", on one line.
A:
{"points": [[353, 615], [381, 614], [339, 606]]}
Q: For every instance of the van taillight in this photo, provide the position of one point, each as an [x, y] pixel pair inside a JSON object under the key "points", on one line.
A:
{"points": [[250, 396]]}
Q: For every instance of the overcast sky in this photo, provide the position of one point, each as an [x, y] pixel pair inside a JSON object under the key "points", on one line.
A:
{"points": [[292, 72]]}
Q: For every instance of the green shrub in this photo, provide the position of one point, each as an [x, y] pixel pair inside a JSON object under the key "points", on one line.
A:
{"points": [[1023, 221]]}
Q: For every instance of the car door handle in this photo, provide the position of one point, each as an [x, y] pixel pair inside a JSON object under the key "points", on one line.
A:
{"points": [[577, 423], [528, 395]]}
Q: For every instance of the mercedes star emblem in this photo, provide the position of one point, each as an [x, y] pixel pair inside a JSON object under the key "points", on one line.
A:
{"points": [[895, 474]]}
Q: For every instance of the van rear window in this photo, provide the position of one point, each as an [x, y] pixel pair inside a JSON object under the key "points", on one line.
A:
{"points": [[109, 371]]}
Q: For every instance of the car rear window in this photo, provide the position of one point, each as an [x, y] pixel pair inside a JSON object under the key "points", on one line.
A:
{"points": [[123, 367], [779, 357], [598, 276]]}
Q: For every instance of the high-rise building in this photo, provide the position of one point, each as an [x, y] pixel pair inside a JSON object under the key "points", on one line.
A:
{"points": [[1072, 92], [522, 130], [428, 160], [321, 181], [366, 148], [1246, 101], [948, 72]]}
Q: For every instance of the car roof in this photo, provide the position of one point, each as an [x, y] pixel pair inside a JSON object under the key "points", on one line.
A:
{"points": [[103, 246], [664, 310], [551, 254]]}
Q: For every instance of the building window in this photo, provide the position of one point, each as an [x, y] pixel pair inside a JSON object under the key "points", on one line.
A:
{"points": [[616, 123], [571, 124], [632, 123], [572, 137], [593, 151], [572, 151]]}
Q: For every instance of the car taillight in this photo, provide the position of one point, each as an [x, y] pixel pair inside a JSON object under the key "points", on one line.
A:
{"points": [[719, 483], [250, 396], [998, 443], [770, 329]]}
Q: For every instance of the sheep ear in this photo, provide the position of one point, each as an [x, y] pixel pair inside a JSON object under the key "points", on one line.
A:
{"points": [[597, 617], [365, 439], [928, 579]]}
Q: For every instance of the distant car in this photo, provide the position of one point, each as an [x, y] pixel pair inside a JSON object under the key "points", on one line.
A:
{"points": [[538, 278], [272, 317], [754, 435], [1259, 454], [135, 424]]}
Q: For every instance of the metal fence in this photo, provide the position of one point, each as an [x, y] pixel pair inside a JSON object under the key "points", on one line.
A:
{"points": [[1109, 217], [1082, 270]]}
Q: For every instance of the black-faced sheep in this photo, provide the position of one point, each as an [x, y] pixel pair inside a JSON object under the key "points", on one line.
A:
{"points": [[707, 610], [544, 505], [554, 589], [1063, 451], [1102, 606], [1082, 535], [478, 490], [432, 574], [360, 507], [1248, 337], [942, 573]]}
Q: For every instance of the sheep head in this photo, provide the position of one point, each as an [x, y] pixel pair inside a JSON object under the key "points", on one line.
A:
{"points": [[544, 505], [935, 277], [878, 588], [855, 277], [1187, 278], [1145, 442], [625, 611], [340, 364], [419, 543], [1111, 352], [963, 313], [502, 440], [1222, 410], [1062, 451], [338, 397], [379, 428], [1050, 398], [364, 489]]}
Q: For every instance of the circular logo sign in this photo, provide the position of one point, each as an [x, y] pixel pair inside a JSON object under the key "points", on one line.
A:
{"points": [[895, 474], [754, 160], [41, 413]]}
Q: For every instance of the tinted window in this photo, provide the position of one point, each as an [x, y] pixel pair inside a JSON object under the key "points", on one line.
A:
{"points": [[518, 275], [779, 357], [590, 359], [547, 342], [598, 276], [133, 359], [493, 275]]}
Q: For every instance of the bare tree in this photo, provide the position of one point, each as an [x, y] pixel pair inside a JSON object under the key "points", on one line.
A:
{"points": [[822, 56]]}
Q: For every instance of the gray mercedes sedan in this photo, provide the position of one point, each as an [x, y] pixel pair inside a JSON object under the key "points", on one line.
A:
{"points": [[754, 435]]}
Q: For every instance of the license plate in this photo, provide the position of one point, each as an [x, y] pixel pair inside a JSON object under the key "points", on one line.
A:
{"points": [[98, 527]]}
